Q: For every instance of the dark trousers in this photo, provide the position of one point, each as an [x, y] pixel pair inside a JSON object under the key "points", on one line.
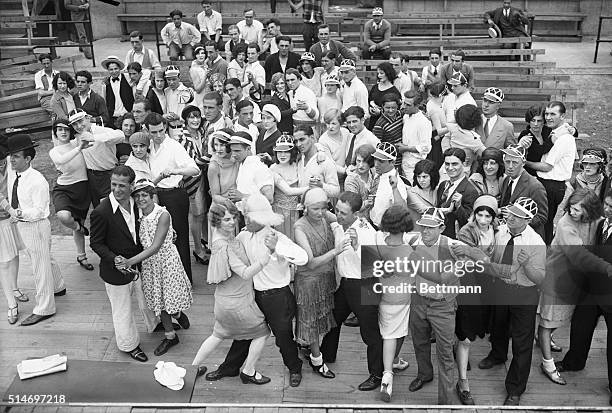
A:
{"points": [[310, 34], [584, 322], [356, 296], [278, 306], [99, 185], [176, 202], [379, 54], [555, 190], [515, 320], [273, 6]]}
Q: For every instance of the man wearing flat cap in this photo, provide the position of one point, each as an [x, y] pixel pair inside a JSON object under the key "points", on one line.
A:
{"points": [[377, 37]]}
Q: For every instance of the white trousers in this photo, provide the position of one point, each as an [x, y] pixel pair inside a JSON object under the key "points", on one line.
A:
{"points": [[48, 278]]}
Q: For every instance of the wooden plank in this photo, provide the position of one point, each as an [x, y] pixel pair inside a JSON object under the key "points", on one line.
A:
{"points": [[19, 101], [34, 67], [17, 61], [23, 117], [7, 87]]}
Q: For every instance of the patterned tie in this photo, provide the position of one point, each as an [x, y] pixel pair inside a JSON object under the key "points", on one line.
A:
{"points": [[45, 81], [606, 231], [349, 155], [15, 198], [447, 187], [509, 251], [486, 128]]}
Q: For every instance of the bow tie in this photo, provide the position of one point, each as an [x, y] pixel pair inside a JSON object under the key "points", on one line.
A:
{"points": [[115, 79]]}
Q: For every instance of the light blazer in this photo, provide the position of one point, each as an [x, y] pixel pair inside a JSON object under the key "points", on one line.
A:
{"points": [[528, 186], [342, 52], [501, 135]]}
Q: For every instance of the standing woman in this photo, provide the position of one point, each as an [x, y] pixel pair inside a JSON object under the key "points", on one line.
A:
{"points": [[311, 75], [330, 99], [463, 134], [198, 72], [593, 175], [235, 69], [540, 143], [394, 307], [62, 102], [10, 242], [222, 171], [422, 193], [361, 179], [156, 95], [270, 117], [488, 176], [328, 62], [166, 288], [386, 76], [280, 98], [315, 282], [71, 194], [436, 115], [127, 124], [237, 316]]}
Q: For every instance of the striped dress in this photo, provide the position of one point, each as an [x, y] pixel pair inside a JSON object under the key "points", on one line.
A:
{"points": [[192, 183], [390, 130]]}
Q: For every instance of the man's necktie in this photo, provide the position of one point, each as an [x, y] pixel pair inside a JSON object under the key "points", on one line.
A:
{"points": [[605, 232], [45, 81], [435, 73], [325, 50], [505, 201], [509, 251], [349, 155], [15, 198], [444, 198], [115, 79], [486, 128]]}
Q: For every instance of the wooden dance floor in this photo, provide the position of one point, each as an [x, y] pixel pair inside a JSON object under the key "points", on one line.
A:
{"points": [[82, 328]]}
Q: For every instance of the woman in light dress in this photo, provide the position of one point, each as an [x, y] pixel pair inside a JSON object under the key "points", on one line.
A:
{"points": [[435, 113], [311, 75], [335, 140], [198, 72], [329, 100], [235, 68], [361, 179], [237, 316]]}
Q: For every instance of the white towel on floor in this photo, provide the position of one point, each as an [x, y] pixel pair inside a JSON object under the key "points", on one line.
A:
{"points": [[170, 375], [42, 366]]}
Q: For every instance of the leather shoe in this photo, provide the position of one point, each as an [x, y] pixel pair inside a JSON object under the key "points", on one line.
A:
{"points": [[512, 400], [321, 370], [487, 363], [562, 367], [35, 318], [60, 293], [418, 383], [183, 321], [554, 376], [138, 355], [160, 327], [219, 374], [465, 397], [201, 371], [371, 383], [165, 345], [295, 378], [352, 321], [246, 379]]}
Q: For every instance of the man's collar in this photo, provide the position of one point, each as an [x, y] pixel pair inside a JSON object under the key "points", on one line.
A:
{"points": [[457, 181], [217, 59], [88, 93], [115, 204]]}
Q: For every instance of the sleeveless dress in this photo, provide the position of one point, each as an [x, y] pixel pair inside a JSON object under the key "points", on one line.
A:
{"points": [[198, 74], [314, 289], [164, 281], [287, 206], [237, 316]]}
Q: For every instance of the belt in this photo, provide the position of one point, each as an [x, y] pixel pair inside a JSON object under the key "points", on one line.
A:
{"points": [[271, 291]]}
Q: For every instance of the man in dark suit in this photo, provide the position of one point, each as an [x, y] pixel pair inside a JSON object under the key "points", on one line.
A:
{"points": [[118, 92], [456, 196], [281, 60], [325, 45], [510, 20], [518, 183], [596, 302], [88, 100], [114, 237]]}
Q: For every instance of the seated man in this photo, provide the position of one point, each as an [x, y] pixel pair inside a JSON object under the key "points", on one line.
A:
{"points": [[251, 29], [377, 35], [325, 45], [270, 38], [180, 37], [140, 54], [510, 20], [235, 40], [43, 82], [210, 22]]}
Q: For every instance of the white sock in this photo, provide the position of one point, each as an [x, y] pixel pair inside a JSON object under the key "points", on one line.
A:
{"points": [[317, 361], [549, 365]]}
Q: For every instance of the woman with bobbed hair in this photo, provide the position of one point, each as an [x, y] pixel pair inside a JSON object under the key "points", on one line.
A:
{"points": [[222, 171], [235, 69], [360, 180], [62, 102], [394, 308], [488, 176], [593, 175], [386, 76], [128, 126], [280, 98], [463, 134], [70, 193], [422, 193], [237, 316]]}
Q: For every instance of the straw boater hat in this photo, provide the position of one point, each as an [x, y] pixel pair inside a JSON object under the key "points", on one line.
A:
{"points": [[457, 79], [524, 207], [258, 209], [494, 31], [112, 59], [494, 94], [17, 143], [76, 115], [142, 184], [432, 217], [385, 151]]}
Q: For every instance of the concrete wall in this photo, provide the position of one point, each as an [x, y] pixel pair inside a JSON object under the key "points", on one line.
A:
{"points": [[104, 19]]}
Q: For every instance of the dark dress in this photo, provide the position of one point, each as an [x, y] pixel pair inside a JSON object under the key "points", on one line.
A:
{"points": [[267, 145], [286, 123], [377, 95]]}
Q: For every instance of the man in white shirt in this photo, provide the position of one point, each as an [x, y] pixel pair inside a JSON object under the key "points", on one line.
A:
{"points": [[28, 196], [139, 80], [354, 92], [254, 73], [416, 134], [251, 30], [177, 97], [390, 189], [211, 24], [180, 37], [458, 84], [170, 161], [355, 294], [118, 92], [405, 81], [311, 170], [244, 122], [303, 100], [355, 122], [233, 88], [557, 165], [43, 82], [140, 54], [432, 72]]}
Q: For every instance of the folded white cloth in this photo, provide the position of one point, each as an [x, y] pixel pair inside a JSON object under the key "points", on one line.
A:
{"points": [[40, 367], [170, 375]]}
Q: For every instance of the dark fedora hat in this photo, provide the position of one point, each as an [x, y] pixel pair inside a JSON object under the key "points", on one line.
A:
{"points": [[3, 146], [20, 142]]}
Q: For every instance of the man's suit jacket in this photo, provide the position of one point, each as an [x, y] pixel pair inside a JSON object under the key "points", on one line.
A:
{"points": [[125, 93], [513, 26], [342, 52], [110, 237], [528, 186], [446, 72], [599, 285], [501, 135], [272, 64], [459, 215]]}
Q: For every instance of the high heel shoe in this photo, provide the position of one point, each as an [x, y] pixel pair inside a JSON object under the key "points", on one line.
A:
{"points": [[200, 260], [322, 370], [83, 263], [13, 314], [386, 386], [256, 378], [20, 296]]}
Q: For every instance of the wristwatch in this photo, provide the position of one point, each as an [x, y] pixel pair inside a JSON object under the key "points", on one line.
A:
{"points": [[19, 213]]}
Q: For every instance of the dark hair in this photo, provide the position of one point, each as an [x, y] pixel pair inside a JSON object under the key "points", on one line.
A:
{"points": [[135, 66], [428, 167], [188, 110], [354, 111], [292, 71], [352, 199], [468, 117], [304, 128], [43, 56], [396, 220], [293, 155], [146, 103], [154, 118], [176, 12], [388, 70], [437, 89], [283, 38], [136, 33], [211, 43], [229, 131], [123, 170], [240, 48], [331, 55], [556, 103], [152, 191], [419, 98], [593, 208], [253, 46], [457, 152], [121, 119], [459, 52], [391, 97], [31, 152], [272, 20], [203, 2], [233, 81], [65, 122], [366, 151], [322, 26], [485, 208], [435, 51], [532, 112], [495, 154], [65, 76], [214, 96], [216, 212], [244, 103], [85, 74], [249, 9]]}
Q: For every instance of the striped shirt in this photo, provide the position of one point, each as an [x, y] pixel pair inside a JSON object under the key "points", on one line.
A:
{"points": [[390, 130], [191, 183]]}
